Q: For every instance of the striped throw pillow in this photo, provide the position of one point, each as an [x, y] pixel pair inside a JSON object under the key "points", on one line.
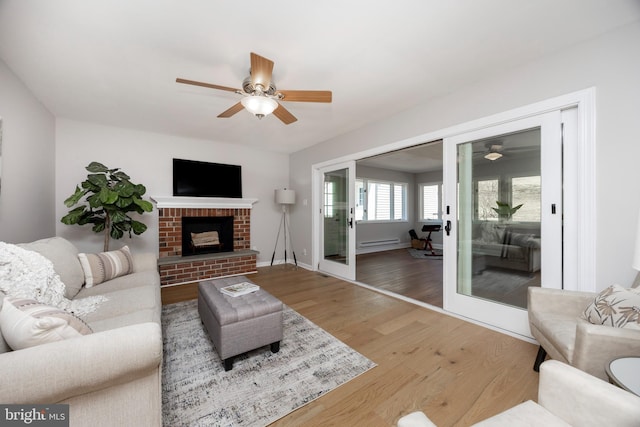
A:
{"points": [[26, 323], [105, 266]]}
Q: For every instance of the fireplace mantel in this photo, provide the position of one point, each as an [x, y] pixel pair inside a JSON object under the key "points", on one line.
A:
{"points": [[202, 202]]}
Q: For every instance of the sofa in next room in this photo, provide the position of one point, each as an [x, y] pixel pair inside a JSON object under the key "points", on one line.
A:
{"points": [[508, 246]]}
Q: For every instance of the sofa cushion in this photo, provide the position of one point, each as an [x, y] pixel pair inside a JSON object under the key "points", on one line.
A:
{"points": [[105, 266], [615, 306], [130, 281], [125, 302], [26, 323], [64, 256]]}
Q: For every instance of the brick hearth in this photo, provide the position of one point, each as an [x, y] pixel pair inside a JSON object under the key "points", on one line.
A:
{"points": [[175, 268]]}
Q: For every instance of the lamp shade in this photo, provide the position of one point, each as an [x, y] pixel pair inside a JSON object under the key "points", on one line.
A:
{"points": [[259, 105], [285, 197]]}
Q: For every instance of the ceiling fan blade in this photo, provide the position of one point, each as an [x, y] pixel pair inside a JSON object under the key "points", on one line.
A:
{"points": [[231, 111], [261, 71], [209, 85], [284, 115], [306, 95]]}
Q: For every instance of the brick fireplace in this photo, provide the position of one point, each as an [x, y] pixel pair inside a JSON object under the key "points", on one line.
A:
{"points": [[176, 267]]}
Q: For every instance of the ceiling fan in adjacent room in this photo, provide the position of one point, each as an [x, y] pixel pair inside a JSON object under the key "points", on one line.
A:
{"points": [[260, 96]]}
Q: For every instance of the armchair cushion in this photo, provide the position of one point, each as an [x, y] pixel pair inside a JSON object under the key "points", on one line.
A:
{"points": [[615, 306]]}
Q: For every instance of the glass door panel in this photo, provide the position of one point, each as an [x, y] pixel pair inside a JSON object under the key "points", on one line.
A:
{"points": [[337, 222], [504, 198], [499, 217]]}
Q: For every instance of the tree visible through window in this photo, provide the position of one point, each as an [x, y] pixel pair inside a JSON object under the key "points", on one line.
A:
{"points": [[488, 195], [525, 190]]}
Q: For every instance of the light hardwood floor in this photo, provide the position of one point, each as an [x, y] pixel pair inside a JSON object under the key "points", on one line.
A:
{"points": [[396, 271], [421, 279], [456, 372]]}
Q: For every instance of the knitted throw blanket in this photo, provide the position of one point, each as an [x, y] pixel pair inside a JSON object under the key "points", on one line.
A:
{"points": [[27, 274]]}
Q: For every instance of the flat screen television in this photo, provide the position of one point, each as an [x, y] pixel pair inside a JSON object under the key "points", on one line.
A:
{"points": [[203, 179]]}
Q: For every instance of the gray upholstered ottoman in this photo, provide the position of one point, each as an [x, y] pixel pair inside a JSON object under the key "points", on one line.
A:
{"points": [[239, 324]]}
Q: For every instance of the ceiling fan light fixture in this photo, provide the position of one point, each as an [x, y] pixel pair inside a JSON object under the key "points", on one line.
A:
{"points": [[492, 156], [259, 106]]}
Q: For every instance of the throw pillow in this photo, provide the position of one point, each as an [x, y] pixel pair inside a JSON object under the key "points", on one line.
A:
{"points": [[105, 266], [615, 306], [26, 323]]}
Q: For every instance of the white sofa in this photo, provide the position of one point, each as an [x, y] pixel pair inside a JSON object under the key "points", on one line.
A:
{"points": [[109, 377], [566, 397]]}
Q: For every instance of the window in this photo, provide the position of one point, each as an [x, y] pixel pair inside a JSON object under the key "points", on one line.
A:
{"points": [[329, 194], [430, 195], [524, 190], [380, 200]]}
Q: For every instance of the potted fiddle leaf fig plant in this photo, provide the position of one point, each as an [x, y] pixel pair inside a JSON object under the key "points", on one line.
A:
{"points": [[505, 211], [110, 198]]}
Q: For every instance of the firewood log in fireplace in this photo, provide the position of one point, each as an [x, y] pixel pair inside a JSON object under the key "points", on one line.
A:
{"points": [[205, 239]]}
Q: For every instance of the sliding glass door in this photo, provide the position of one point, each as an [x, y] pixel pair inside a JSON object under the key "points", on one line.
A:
{"points": [[337, 216], [503, 219]]}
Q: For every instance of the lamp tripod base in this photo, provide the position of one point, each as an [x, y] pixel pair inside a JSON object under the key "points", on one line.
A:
{"points": [[284, 225]]}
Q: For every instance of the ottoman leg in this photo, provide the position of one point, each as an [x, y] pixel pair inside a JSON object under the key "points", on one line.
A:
{"points": [[275, 347], [228, 363]]}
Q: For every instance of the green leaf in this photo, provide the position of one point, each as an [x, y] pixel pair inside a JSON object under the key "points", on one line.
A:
{"points": [[108, 196], [74, 216], [124, 188], [75, 197], [116, 233], [120, 175], [138, 227], [145, 205], [118, 217], [124, 202], [140, 189], [94, 200], [99, 180], [99, 227], [97, 167]]}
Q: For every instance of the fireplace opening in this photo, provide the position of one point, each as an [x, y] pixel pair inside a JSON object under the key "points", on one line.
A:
{"points": [[204, 235]]}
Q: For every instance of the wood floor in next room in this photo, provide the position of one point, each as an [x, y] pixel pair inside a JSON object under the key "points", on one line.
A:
{"points": [[398, 272], [456, 372]]}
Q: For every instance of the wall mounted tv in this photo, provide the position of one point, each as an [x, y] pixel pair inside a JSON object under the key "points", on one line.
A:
{"points": [[202, 179]]}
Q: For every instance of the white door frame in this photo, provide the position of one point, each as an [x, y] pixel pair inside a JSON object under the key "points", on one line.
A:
{"points": [[583, 175], [503, 316], [348, 270]]}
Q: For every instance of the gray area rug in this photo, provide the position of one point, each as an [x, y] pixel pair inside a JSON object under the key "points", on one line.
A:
{"points": [[262, 386], [420, 254], [499, 281]]}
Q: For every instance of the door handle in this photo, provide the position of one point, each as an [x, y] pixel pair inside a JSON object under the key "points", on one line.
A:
{"points": [[351, 222], [447, 227]]}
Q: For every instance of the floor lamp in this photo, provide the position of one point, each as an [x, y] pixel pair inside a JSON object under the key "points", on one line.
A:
{"points": [[285, 198]]}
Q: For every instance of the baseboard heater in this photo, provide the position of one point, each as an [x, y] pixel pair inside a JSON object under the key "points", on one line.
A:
{"points": [[370, 243]]}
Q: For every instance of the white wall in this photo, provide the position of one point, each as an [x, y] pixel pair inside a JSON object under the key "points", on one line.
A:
{"points": [[611, 63], [27, 193], [147, 158]]}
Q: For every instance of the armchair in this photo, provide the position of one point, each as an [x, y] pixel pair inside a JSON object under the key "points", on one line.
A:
{"points": [[566, 397], [556, 323]]}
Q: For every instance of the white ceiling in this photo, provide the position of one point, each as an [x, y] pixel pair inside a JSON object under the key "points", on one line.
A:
{"points": [[115, 61]]}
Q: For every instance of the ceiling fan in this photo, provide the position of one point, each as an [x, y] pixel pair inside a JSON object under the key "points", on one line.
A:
{"points": [[493, 150], [260, 96]]}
